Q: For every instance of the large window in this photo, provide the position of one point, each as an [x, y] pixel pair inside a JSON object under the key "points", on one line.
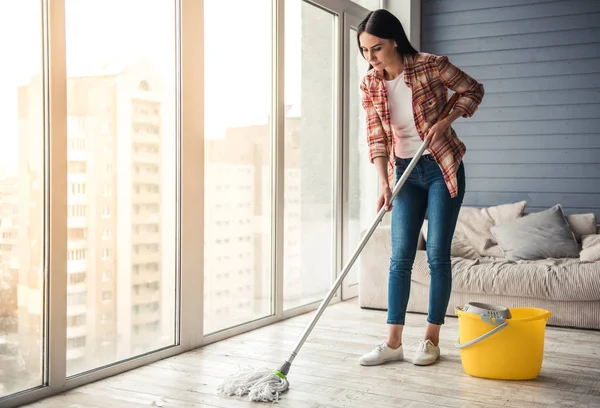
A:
{"points": [[310, 134], [121, 138], [237, 166], [172, 172], [22, 197]]}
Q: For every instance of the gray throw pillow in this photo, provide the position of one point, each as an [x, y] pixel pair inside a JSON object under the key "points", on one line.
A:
{"points": [[540, 235]]}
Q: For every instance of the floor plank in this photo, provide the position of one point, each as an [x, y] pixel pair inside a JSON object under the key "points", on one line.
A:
{"points": [[326, 373]]}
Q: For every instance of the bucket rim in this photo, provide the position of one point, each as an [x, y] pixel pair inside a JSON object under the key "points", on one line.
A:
{"points": [[545, 314]]}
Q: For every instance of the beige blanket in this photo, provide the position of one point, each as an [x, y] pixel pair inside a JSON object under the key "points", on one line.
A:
{"points": [[556, 279]]}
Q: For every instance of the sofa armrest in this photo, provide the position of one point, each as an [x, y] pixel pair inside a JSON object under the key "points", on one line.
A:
{"points": [[373, 269]]}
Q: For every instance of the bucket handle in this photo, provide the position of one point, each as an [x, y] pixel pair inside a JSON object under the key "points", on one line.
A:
{"points": [[482, 337]]}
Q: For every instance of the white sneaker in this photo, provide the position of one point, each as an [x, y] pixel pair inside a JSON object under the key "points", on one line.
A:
{"points": [[381, 354], [427, 353]]}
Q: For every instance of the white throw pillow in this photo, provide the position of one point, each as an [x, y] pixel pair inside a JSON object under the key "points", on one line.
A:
{"points": [[474, 224], [582, 224], [590, 248]]}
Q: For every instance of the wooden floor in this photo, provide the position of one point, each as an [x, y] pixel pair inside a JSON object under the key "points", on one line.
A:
{"points": [[326, 372]]}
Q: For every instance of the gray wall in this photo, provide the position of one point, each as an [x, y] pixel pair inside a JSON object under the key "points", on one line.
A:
{"points": [[536, 136]]}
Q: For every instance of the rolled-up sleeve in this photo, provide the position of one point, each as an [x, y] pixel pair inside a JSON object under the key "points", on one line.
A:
{"points": [[471, 92], [376, 138]]}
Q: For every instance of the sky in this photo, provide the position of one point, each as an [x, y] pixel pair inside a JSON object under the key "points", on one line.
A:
{"points": [[237, 53]]}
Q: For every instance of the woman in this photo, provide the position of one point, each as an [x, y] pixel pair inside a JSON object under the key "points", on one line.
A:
{"points": [[404, 91]]}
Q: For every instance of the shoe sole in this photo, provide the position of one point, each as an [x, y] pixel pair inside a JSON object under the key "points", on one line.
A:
{"points": [[380, 363], [425, 363]]}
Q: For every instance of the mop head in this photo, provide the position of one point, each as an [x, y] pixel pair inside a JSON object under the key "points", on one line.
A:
{"points": [[260, 384]]}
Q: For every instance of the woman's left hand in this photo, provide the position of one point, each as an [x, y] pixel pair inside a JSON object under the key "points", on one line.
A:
{"points": [[437, 132]]}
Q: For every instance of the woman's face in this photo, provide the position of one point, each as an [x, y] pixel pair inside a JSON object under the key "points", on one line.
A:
{"points": [[378, 52]]}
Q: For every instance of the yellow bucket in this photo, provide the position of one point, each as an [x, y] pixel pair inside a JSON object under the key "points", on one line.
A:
{"points": [[492, 346]]}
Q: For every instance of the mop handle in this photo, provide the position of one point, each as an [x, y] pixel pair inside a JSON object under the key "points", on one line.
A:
{"points": [[367, 236]]}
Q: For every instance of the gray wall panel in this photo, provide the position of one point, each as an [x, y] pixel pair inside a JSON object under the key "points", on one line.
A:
{"points": [[579, 171], [543, 98], [469, 127], [543, 83], [484, 198], [540, 185], [545, 54], [531, 142], [536, 136], [520, 41], [535, 69], [537, 156], [524, 12], [453, 6], [536, 25]]}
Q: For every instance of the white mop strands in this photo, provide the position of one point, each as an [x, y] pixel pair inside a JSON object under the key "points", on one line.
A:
{"points": [[260, 384]]}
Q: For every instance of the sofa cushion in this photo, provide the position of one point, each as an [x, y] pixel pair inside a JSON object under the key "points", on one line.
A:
{"points": [[373, 268], [540, 235], [474, 224], [590, 248], [565, 279], [582, 224], [472, 237]]}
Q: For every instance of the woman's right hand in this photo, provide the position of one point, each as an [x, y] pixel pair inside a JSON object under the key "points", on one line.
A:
{"points": [[385, 199]]}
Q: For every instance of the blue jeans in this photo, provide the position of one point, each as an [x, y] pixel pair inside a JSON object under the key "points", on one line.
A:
{"points": [[424, 190]]}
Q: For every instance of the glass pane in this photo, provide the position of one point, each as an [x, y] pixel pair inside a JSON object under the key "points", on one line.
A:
{"points": [[22, 190], [362, 181], [237, 181], [121, 134], [309, 139]]}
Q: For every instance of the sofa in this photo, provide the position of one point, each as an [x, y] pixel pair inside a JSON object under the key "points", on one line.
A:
{"points": [[505, 256]]}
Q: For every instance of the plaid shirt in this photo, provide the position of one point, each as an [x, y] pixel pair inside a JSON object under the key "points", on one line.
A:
{"points": [[429, 76]]}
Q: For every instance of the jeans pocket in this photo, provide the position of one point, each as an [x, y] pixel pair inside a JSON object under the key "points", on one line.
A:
{"points": [[401, 166]]}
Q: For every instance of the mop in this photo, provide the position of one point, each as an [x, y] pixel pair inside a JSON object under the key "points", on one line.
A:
{"points": [[266, 385]]}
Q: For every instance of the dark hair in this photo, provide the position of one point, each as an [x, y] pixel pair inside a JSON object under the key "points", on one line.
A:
{"points": [[383, 24]]}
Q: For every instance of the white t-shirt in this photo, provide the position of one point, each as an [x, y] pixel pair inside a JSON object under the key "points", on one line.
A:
{"points": [[402, 120]]}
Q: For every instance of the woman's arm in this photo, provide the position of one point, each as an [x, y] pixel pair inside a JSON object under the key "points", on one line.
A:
{"points": [[471, 92], [438, 130], [455, 114], [381, 164], [376, 137], [378, 148]]}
